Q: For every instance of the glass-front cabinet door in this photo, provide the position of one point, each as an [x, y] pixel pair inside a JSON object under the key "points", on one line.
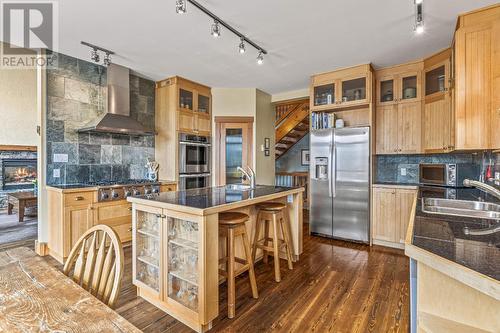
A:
{"points": [[147, 248], [203, 104], [409, 87], [386, 87], [185, 99], [354, 90], [324, 94], [182, 262], [437, 79]]}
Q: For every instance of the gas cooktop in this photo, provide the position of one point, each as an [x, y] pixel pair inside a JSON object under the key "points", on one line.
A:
{"points": [[119, 190]]}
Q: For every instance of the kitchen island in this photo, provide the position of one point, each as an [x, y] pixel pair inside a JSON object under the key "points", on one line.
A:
{"points": [[176, 249], [455, 276]]}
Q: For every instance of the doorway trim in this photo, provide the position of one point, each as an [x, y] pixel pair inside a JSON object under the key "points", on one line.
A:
{"points": [[219, 121]]}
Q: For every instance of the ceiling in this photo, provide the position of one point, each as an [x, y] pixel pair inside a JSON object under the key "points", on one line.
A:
{"points": [[302, 37]]}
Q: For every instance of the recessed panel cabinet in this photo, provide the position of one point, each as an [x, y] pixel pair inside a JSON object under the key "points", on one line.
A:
{"points": [[477, 54], [391, 214], [399, 109]]}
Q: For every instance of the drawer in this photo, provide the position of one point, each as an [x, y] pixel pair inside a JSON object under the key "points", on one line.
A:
{"points": [[168, 188], [124, 231], [78, 198]]}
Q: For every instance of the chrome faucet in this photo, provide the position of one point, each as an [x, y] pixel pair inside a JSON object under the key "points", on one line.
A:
{"points": [[483, 187], [249, 175]]}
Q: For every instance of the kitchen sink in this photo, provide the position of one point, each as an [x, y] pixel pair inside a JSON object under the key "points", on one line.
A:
{"points": [[477, 209], [238, 187]]}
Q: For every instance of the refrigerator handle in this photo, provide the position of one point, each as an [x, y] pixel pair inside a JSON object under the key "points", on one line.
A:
{"points": [[330, 191], [333, 181]]}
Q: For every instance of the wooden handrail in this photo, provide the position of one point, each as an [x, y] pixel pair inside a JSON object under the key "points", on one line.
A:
{"points": [[283, 110]]}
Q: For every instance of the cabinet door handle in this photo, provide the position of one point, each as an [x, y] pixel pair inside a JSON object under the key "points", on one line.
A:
{"points": [[129, 229], [130, 208], [164, 216], [79, 198], [158, 216]]}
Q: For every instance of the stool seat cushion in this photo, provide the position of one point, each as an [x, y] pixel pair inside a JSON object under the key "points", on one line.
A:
{"points": [[232, 218], [271, 206]]}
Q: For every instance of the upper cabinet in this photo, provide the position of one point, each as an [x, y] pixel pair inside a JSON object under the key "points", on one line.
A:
{"points": [[342, 88], [399, 109], [438, 120], [477, 72], [182, 106]]}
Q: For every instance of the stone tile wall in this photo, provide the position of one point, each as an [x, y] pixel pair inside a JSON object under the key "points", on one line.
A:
{"points": [[76, 96], [388, 167]]}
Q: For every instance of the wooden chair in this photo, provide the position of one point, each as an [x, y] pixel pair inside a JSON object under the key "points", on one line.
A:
{"points": [[97, 258], [273, 215], [232, 225]]}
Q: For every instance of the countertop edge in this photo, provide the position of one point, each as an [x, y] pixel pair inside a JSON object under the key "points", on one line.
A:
{"points": [[214, 210], [402, 186], [467, 276], [70, 190]]}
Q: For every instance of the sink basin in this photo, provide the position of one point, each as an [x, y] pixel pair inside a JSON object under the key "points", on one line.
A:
{"points": [[238, 187], [477, 209]]}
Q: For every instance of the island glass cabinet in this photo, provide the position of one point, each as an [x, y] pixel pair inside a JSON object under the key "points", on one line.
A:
{"points": [[168, 256]]}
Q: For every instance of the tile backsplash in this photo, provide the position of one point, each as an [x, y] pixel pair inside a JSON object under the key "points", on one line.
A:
{"points": [[77, 95], [404, 168]]}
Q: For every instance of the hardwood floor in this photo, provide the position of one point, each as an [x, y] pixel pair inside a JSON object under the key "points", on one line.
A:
{"points": [[335, 287]]}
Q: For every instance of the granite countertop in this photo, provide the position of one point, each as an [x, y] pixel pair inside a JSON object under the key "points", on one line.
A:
{"points": [[71, 186], [443, 235], [210, 197]]}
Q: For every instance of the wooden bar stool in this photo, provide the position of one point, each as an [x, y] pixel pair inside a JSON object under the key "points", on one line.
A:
{"points": [[272, 213], [232, 225]]}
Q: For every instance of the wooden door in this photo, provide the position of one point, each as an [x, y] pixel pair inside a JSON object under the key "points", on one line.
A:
{"points": [[386, 131], [77, 220], [385, 223], [438, 125], [409, 128], [234, 146], [404, 205], [473, 58]]}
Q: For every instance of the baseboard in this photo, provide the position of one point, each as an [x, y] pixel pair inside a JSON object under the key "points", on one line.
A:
{"points": [[41, 248], [388, 244]]}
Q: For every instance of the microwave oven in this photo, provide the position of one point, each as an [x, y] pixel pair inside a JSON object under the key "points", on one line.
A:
{"points": [[447, 174]]}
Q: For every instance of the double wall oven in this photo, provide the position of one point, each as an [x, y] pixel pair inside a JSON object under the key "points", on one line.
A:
{"points": [[194, 161]]}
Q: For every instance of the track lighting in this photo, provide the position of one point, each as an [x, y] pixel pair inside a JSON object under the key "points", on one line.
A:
{"points": [[94, 53], [241, 47], [94, 56], [215, 29], [180, 6], [419, 17], [260, 58], [218, 23], [107, 59]]}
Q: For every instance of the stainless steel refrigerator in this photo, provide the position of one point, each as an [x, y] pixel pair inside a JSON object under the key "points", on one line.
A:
{"points": [[340, 183]]}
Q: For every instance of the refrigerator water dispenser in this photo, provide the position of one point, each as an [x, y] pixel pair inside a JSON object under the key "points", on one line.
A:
{"points": [[321, 167]]}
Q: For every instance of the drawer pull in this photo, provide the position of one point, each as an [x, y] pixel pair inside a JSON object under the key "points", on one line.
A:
{"points": [[129, 229], [130, 208], [79, 198]]}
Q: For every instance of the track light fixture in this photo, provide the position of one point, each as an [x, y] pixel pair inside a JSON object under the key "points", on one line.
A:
{"points": [[260, 58], [215, 31], [180, 6], [419, 17], [241, 47], [94, 53]]}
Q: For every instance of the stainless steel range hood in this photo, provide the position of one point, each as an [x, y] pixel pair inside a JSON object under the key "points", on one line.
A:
{"points": [[117, 119]]}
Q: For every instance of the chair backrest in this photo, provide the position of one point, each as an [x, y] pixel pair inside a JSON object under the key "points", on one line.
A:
{"points": [[97, 258]]}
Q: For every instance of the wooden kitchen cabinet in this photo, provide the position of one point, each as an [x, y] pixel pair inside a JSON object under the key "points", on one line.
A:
{"points": [[477, 58], [399, 109], [117, 215], [343, 88], [391, 213], [182, 106], [398, 128], [77, 220]]}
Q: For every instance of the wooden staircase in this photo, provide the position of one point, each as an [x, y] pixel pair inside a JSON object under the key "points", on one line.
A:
{"points": [[292, 124]]}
